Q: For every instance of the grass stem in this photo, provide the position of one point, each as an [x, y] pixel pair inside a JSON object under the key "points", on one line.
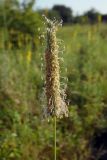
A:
{"points": [[54, 137]]}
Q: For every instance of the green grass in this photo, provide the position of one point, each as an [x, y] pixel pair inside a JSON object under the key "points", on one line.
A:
{"points": [[23, 133]]}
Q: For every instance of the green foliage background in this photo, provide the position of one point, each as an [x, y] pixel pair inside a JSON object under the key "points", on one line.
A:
{"points": [[24, 134]]}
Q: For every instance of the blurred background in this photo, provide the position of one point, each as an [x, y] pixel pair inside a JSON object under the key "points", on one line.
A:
{"points": [[24, 134]]}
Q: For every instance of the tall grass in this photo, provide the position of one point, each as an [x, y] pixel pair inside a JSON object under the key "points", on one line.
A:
{"points": [[23, 135]]}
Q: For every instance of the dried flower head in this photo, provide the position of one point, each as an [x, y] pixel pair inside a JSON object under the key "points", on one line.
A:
{"points": [[55, 103]]}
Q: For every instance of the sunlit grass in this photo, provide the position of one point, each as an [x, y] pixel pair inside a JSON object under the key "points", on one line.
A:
{"points": [[21, 86]]}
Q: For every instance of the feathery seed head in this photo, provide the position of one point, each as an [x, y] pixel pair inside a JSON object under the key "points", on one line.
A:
{"points": [[56, 106]]}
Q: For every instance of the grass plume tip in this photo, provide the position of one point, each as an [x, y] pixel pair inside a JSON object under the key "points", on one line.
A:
{"points": [[56, 106]]}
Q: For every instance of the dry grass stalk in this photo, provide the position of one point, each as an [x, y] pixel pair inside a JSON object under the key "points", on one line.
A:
{"points": [[55, 103]]}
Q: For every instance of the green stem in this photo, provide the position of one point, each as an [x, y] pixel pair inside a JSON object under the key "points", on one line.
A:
{"points": [[55, 138]]}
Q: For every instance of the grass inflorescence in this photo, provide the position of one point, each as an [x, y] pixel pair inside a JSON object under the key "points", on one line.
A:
{"points": [[56, 105]]}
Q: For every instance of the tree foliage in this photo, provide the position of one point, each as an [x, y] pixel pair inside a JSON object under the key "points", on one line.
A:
{"points": [[20, 18], [64, 12], [92, 16]]}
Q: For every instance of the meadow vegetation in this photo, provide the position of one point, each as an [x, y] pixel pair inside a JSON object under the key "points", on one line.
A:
{"points": [[24, 134]]}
